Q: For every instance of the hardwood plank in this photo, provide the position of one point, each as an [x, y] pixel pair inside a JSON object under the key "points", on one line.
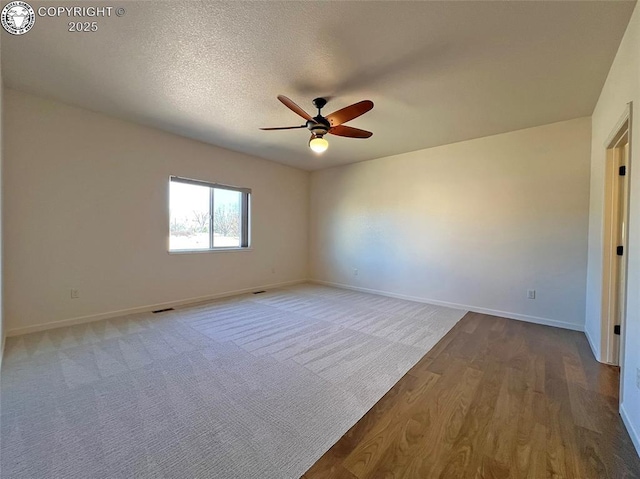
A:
{"points": [[492, 469], [390, 428], [574, 371], [495, 398], [579, 399], [463, 459], [502, 434], [471, 322], [452, 397], [333, 471], [531, 435], [407, 387]]}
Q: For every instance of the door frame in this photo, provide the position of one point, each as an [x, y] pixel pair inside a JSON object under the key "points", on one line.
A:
{"points": [[610, 272]]}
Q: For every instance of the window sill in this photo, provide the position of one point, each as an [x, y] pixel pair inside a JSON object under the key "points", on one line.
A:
{"points": [[217, 250]]}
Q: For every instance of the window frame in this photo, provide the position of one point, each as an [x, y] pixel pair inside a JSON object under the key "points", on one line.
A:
{"points": [[245, 214]]}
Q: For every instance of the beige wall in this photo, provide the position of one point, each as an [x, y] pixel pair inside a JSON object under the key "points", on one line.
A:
{"points": [[474, 224], [88, 209], [2, 329], [622, 86]]}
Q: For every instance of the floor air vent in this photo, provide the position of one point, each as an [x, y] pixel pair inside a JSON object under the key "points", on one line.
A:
{"points": [[259, 292], [162, 310]]}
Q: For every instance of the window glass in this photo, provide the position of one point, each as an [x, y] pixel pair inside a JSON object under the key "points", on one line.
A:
{"points": [[227, 218], [189, 220]]}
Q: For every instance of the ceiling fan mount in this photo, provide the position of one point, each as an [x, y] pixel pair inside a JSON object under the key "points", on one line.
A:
{"points": [[319, 103], [332, 123]]}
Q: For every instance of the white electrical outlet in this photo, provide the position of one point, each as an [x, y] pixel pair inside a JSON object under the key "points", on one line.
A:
{"points": [[531, 294], [75, 294], [355, 271]]}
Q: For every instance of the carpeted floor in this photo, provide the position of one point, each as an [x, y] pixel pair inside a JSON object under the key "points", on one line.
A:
{"points": [[254, 386]]}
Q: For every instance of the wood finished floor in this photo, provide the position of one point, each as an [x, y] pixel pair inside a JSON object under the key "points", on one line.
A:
{"points": [[495, 398]]}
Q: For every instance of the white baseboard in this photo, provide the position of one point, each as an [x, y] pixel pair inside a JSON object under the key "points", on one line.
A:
{"points": [[4, 336], [475, 309], [633, 433], [594, 350], [143, 309]]}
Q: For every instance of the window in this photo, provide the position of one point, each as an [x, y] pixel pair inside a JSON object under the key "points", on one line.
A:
{"points": [[207, 216]]}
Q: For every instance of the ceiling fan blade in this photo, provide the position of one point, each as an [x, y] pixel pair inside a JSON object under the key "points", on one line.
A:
{"points": [[350, 112], [349, 131], [285, 127], [293, 107]]}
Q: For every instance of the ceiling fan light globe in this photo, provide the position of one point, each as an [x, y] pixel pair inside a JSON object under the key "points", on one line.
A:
{"points": [[318, 144]]}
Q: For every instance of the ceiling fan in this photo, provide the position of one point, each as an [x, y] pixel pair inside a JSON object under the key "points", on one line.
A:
{"points": [[333, 123]]}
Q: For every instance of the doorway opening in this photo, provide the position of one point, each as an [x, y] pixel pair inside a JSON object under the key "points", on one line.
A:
{"points": [[616, 227]]}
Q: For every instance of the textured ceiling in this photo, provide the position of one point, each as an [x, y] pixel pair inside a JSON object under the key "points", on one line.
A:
{"points": [[438, 72]]}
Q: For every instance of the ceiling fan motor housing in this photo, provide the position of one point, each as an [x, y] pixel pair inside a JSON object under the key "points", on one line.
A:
{"points": [[319, 125]]}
